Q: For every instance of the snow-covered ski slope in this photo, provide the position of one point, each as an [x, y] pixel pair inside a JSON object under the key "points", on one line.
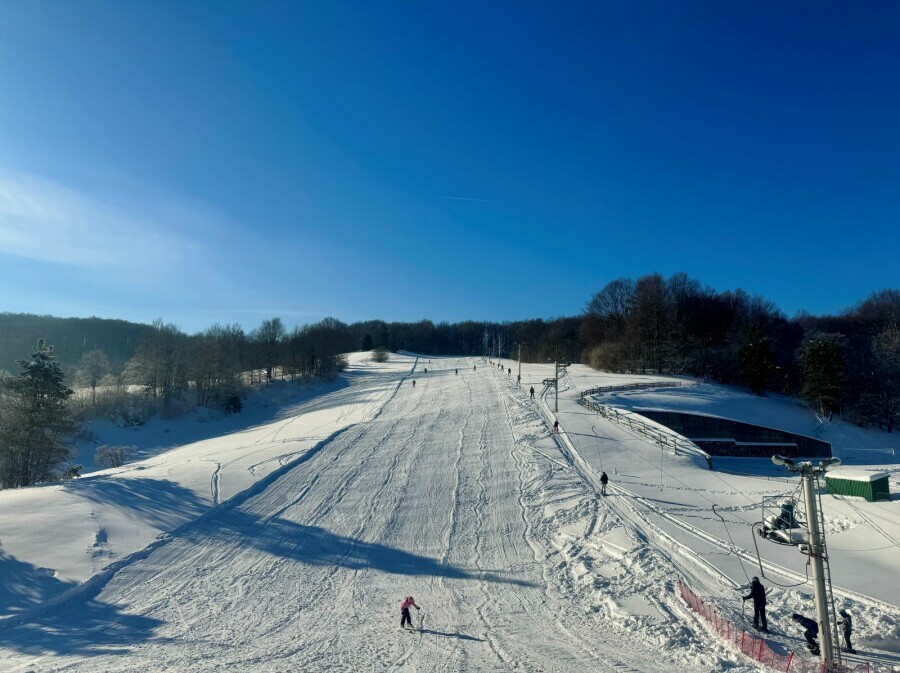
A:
{"points": [[453, 491]]}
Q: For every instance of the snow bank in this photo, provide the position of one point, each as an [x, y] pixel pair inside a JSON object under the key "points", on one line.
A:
{"points": [[55, 536]]}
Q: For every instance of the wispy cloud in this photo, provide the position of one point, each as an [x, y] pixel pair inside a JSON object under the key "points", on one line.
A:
{"points": [[122, 232], [463, 198]]}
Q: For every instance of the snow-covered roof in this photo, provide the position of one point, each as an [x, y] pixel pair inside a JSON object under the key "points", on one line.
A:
{"points": [[856, 475]]}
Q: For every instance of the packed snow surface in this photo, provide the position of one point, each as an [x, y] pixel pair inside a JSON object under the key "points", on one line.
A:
{"points": [[289, 545]]}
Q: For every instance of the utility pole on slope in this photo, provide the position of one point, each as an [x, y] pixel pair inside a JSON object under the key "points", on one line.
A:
{"points": [[556, 386], [559, 368], [809, 476], [520, 361]]}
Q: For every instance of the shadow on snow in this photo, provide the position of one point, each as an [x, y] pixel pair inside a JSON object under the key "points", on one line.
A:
{"points": [[458, 636], [312, 545], [161, 503], [23, 585], [88, 628]]}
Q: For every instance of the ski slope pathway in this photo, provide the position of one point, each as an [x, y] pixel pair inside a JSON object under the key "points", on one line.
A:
{"points": [[454, 493]]}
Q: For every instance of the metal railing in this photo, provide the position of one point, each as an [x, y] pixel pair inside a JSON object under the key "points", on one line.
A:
{"points": [[676, 443], [637, 386]]}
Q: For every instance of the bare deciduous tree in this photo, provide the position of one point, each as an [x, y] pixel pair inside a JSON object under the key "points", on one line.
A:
{"points": [[113, 456], [94, 366]]}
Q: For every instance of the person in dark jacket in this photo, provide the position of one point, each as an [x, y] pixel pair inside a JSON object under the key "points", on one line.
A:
{"points": [[604, 480], [758, 594], [811, 633], [532, 392], [847, 623]]}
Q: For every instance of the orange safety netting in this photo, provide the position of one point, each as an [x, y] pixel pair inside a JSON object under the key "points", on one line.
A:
{"points": [[758, 648]]}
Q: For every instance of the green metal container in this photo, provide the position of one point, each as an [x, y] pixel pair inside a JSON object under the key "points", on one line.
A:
{"points": [[859, 483]]}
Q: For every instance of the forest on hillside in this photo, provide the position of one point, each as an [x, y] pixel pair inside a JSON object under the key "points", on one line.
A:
{"points": [[847, 364]]}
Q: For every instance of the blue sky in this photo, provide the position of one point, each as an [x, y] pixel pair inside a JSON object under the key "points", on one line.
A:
{"points": [[210, 161]]}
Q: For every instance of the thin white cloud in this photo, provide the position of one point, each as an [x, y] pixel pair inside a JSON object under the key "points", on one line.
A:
{"points": [[124, 234]]}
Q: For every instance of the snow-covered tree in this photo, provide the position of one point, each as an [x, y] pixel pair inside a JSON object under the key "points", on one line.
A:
{"points": [[113, 456], [35, 422], [93, 367]]}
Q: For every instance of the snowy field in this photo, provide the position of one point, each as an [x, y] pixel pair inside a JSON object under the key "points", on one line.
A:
{"points": [[287, 545]]}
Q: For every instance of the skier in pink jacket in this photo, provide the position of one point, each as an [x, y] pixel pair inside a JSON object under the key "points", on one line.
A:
{"points": [[404, 611]]}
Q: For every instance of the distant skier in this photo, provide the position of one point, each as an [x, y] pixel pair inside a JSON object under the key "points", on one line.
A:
{"points": [[509, 372], [847, 623], [414, 383], [758, 594], [404, 611], [604, 480], [811, 632], [426, 370], [532, 392], [556, 426], [518, 379], [456, 371], [474, 368]]}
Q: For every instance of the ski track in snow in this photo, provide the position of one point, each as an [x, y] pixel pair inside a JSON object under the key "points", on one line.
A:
{"points": [[454, 492]]}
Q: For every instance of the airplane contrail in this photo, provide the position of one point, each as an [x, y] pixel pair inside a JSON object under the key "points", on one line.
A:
{"points": [[463, 198]]}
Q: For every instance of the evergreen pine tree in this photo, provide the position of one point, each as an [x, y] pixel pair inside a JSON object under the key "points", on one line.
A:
{"points": [[35, 422], [822, 370], [757, 363]]}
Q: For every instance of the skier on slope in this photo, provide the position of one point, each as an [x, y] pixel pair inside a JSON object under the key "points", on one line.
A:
{"points": [[758, 594], [604, 480], [532, 392], [414, 383], [811, 632], [556, 426], [847, 623], [404, 611]]}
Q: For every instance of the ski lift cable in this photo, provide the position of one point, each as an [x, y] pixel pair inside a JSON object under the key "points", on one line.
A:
{"points": [[733, 546], [729, 485], [727, 530], [876, 526], [763, 572], [889, 546], [871, 523], [698, 492], [689, 488]]}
